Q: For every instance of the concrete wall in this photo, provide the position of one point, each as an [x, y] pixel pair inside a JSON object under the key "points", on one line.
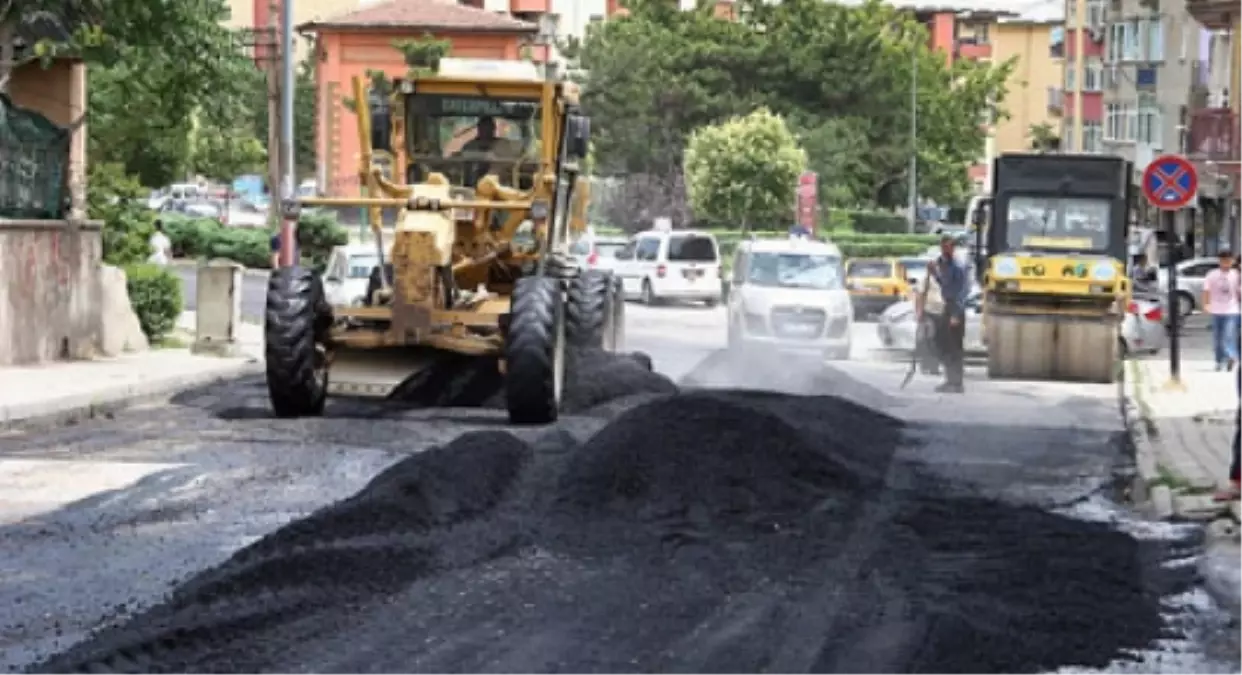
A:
{"points": [[49, 290]]}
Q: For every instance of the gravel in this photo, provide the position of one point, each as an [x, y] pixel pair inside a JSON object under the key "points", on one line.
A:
{"points": [[722, 531]]}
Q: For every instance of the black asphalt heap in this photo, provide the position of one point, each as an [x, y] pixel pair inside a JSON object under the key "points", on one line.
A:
{"points": [[700, 532]]}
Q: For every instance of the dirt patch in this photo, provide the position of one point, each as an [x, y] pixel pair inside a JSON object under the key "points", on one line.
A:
{"points": [[698, 532]]}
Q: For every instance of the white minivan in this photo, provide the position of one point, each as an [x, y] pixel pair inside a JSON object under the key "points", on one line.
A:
{"points": [[660, 265]]}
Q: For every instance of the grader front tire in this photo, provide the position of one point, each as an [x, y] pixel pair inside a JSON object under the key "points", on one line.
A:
{"points": [[296, 313], [535, 351]]}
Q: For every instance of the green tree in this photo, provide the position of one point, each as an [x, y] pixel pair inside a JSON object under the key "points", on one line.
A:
{"points": [[744, 170], [841, 75], [1043, 137], [304, 107]]}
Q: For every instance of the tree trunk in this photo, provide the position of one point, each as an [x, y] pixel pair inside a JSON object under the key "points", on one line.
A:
{"points": [[8, 33]]}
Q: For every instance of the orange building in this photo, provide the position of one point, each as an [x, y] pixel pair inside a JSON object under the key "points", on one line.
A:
{"points": [[351, 44]]}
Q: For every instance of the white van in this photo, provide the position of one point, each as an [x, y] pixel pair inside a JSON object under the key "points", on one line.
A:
{"points": [[790, 295], [659, 265]]}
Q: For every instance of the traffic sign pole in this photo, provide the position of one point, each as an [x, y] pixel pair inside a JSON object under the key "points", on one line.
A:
{"points": [[1170, 183]]}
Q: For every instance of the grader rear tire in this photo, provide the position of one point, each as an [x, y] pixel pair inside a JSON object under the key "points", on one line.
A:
{"points": [[297, 314], [589, 309], [535, 351]]}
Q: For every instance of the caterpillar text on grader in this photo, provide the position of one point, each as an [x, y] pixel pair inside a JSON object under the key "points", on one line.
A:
{"points": [[491, 155], [1050, 247]]}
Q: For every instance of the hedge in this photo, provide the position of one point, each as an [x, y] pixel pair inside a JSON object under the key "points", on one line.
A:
{"points": [[155, 295], [318, 233]]}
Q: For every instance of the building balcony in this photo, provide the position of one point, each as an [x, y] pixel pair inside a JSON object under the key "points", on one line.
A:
{"points": [[1214, 135], [969, 49], [1214, 14]]}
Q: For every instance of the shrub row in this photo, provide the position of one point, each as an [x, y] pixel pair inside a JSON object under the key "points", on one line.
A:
{"points": [[318, 233]]}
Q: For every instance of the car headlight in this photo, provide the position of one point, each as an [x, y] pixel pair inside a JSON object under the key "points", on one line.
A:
{"points": [[1005, 266], [1103, 271]]}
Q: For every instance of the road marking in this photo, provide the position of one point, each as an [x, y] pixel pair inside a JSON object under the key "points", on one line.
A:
{"points": [[31, 487]]}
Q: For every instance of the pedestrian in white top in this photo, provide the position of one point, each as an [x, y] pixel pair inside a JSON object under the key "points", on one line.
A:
{"points": [[161, 246], [1222, 296]]}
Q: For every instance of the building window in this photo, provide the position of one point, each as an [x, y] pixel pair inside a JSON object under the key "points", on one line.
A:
{"points": [[1067, 136], [1092, 75], [1115, 42], [1120, 122], [1056, 42], [1153, 30], [1135, 40], [1095, 13], [1149, 126], [1092, 137], [1070, 83]]}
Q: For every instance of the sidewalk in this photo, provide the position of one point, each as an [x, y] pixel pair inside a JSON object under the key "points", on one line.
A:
{"points": [[1182, 438], [73, 390]]}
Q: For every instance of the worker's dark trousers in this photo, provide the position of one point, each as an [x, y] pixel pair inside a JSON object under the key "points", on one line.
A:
{"points": [[949, 340]]}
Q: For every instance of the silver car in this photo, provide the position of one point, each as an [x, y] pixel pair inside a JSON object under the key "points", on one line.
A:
{"points": [[1142, 329], [1190, 277]]}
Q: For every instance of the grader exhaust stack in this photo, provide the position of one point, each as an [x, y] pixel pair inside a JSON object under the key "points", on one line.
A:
{"points": [[487, 150]]}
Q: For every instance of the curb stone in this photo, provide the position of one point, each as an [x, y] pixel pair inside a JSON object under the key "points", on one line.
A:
{"points": [[1154, 500], [105, 403]]}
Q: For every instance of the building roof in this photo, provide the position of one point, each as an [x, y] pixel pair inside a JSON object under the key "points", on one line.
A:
{"points": [[423, 14]]}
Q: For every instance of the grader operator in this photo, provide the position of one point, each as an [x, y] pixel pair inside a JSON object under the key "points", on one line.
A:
{"points": [[1051, 246], [489, 150]]}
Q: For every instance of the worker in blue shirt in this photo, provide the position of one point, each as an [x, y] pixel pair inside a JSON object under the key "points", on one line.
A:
{"points": [[953, 278]]}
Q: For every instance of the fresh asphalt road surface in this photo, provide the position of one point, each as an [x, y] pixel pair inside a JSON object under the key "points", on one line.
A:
{"points": [[100, 519]]}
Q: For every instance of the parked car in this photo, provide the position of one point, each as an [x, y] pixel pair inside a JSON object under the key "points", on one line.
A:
{"points": [[1142, 328], [790, 295], [874, 284], [595, 252], [347, 273], [194, 209], [1190, 276], [659, 265], [241, 213]]}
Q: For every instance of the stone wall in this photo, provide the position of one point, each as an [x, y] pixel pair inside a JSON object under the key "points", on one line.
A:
{"points": [[49, 290]]}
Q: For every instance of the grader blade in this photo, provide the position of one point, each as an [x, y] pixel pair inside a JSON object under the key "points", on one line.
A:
{"points": [[376, 373]]}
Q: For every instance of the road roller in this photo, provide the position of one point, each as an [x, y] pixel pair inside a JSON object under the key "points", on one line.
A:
{"points": [[1050, 245]]}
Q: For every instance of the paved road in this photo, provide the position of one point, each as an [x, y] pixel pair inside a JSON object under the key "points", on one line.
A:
{"points": [[100, 519]]}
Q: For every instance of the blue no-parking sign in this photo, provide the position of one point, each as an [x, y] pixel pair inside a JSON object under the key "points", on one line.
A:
{"points": [[1170, 182]]}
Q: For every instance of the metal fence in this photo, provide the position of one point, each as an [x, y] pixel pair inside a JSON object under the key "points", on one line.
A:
{"points": [[34, 156]]}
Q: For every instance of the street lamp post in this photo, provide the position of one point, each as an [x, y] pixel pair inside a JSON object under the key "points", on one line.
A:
{"points": [[913, 196]]}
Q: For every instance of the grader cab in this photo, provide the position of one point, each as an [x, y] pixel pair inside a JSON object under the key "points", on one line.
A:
{"points": [[1051, 243], [489, 155]]}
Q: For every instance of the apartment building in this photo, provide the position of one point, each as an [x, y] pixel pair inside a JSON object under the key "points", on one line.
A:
{"points": [[1080, 98], [1037, 76], [1149, 65], [1214, 140]]}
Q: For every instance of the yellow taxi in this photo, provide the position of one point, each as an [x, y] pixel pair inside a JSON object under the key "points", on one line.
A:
{"points": [[875, 283]]}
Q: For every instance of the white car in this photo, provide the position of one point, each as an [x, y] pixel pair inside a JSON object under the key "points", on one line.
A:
{"points": [[1190, 277], [790, 295], [660, 265], [241, 213], [597, 253], [347, 274]]}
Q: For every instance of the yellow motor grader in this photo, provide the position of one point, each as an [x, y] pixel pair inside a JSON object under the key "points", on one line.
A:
{"points": [[491, 154], [1050, 251]]}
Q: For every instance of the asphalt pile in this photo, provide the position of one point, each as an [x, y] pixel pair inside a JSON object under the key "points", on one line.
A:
{"points": [[701, 531]]}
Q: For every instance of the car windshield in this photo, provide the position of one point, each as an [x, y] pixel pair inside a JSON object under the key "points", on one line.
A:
{"points": [[467, 137], [609, 249], [915, 266], [795, 270], [1060, 223], [360, 266], [691, 248], [870, 269]]}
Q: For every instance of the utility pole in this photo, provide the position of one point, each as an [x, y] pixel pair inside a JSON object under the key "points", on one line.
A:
{"points": [[914, 137], [271, 62], [289, 209]]}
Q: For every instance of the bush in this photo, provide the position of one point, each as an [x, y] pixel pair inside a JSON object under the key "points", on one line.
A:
{"points": [[207, 238], [120, 202], [876, 222], [155, 295]]}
